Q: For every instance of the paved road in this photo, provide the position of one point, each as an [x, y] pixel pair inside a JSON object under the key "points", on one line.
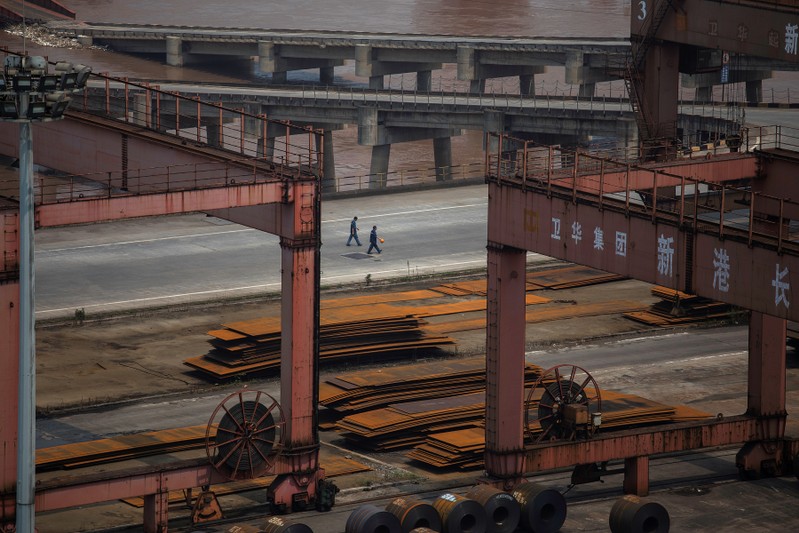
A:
{"points": [[140, 263]]}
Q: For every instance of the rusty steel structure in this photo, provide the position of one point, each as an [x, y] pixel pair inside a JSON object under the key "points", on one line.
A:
{"points": [[167, 170], [688, 233], [711, 227], [590, 211]]}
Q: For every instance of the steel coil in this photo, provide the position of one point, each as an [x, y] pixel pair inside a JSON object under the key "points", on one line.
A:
{"points": [[414, 514], [631, 514], [370, 518], [424, 530], [243, 528], [502, 510], [278, 524], [460, 515], [543, 510]]}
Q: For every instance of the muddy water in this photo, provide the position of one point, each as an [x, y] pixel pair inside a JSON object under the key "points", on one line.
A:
{"points": [[507, 18]]}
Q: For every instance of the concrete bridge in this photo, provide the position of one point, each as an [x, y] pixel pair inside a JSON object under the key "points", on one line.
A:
{"points": [[383, 118], [586, 61]]}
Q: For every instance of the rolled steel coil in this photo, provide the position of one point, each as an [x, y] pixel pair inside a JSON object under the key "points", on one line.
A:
{"points": [[414, 514], [631, 514], [502, 510], [278, 524], [460, 515], [424, 530], [243, 528], [370, 518], [543, 510]]}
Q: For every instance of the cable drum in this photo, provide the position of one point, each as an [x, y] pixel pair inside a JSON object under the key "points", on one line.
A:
{"points": [[502, 510], [543, 510], [631, 514], [414, 514], [278, 524], [460, 515], [370, 518]]}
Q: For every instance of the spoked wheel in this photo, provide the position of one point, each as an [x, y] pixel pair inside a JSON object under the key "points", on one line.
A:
{"points": [[244, 436], [547, 414]]}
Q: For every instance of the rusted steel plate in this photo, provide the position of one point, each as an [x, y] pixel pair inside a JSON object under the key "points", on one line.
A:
{"points": [[104, 450], [544, 315]]}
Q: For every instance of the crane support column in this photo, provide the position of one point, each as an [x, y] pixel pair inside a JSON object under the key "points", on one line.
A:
{"points": [[504, 455], [295, 485], [766, 396], [9, 355]]}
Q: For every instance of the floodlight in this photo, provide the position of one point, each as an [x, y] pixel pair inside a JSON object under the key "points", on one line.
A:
{"points": [[57, 103], [83, 75], [22, 83], [49, 83], [37, 65], [8, 109], [68, 80], [14, 62], [37, 109]]}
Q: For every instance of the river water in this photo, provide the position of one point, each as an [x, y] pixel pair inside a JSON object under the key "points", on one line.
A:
{"points": [[505, 18], [502, 18]]}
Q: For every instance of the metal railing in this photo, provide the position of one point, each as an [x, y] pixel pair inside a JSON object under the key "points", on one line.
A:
{"points": [[724, 210]]}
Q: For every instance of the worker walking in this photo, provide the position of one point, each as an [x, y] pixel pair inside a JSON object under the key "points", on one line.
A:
{"points": [[373, 241], [354, 232]]}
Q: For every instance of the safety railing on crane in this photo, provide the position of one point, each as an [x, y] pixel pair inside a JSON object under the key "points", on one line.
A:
{"points": [[256, 148], [717, 208]]}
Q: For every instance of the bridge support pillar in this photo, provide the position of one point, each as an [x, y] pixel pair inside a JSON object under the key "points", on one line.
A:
{"points": [[376, 82], [326, 75], [586, 90], [328, 160], [213, 134], [140, 112], [704, 95], [378, 170], [280, 78], [754, 91], [477, 86], [527, 84], [174, 51], [424, 81], [442, 156]]}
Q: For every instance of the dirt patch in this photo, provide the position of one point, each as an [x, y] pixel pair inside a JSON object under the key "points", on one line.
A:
{"points": [[142, 354]]}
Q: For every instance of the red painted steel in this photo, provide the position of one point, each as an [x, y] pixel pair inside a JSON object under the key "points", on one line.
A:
{"points": [[662, 241], [106, 209], [505, 361], [9, 353], [636, 475], [158, 174], [643, 442], [755, 28]]}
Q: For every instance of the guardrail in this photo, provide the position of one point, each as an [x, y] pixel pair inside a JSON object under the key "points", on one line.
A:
{"points": [[716, 208]]}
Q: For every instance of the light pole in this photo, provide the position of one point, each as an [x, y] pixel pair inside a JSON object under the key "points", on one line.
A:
{"points": [[28, 93]]}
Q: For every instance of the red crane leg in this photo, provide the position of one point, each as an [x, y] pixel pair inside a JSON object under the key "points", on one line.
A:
{"points": [[766, 396], [9, 362], [298, 468], [636, 475], [504, 455]]}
